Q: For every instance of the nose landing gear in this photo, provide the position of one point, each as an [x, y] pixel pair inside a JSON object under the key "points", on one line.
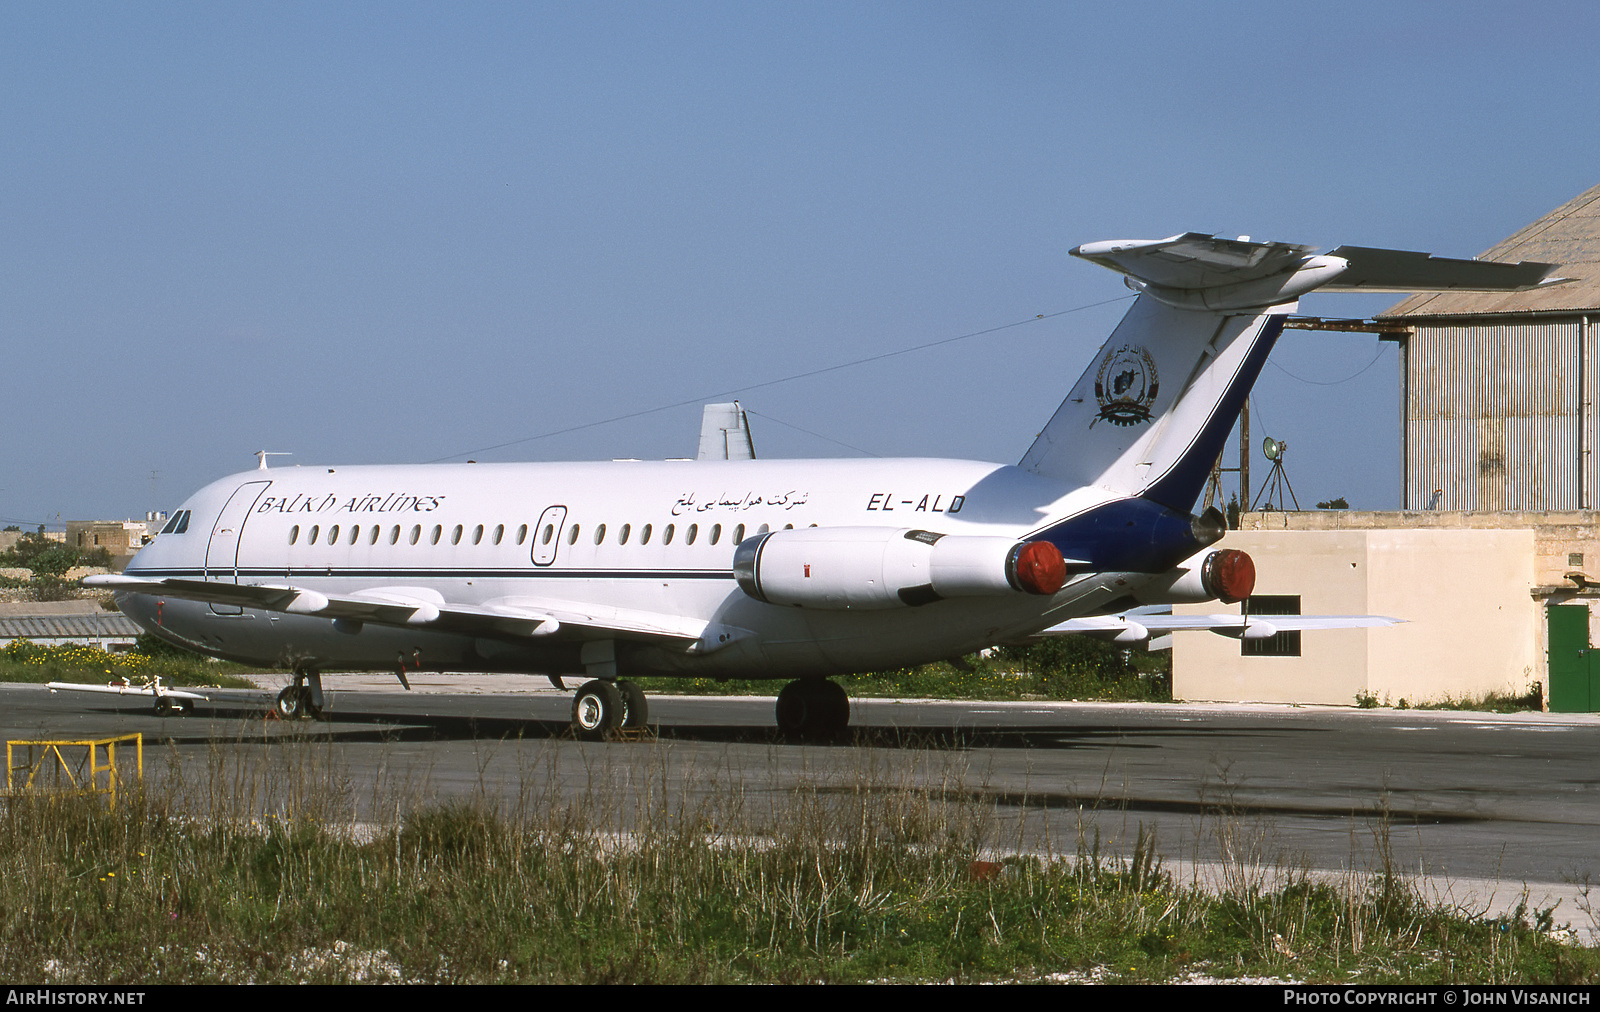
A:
{"points": [[304, 697]]}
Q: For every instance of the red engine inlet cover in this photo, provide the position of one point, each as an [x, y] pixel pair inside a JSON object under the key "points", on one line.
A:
{"points": [[1039, 568], [1230, 575]]}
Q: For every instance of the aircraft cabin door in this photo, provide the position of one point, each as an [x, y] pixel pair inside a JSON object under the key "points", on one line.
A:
{"points": [[222, 551], [547, 536]]}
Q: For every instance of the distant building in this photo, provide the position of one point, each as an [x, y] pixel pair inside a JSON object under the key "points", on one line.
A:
{"points": [[119, 537], [1500, 392], [58, 623]]}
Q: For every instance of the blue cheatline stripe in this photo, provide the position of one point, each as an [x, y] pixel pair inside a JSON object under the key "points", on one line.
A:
{"points": [[324, 572], [1181, 486]]}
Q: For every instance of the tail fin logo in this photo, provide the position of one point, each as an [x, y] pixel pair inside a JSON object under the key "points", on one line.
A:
{"points": [[1126, 385]]}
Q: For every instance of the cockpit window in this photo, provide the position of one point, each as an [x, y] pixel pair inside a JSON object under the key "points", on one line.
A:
{"points": [[178, 524]]}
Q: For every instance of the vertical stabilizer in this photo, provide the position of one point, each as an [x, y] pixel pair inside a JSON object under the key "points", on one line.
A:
{"points": [[1150, 415]]}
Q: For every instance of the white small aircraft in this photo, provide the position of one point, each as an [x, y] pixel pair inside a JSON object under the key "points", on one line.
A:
{"points": [[775, 569]]}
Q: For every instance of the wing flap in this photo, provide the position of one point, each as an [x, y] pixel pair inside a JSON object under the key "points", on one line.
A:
{"points": [[1135, 628], [422, 606]]}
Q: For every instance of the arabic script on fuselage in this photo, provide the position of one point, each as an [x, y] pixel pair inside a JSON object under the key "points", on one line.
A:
{"points": [[692, 502]]}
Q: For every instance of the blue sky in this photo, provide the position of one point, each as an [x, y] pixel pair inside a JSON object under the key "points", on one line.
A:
{"points": [[367, 233]]}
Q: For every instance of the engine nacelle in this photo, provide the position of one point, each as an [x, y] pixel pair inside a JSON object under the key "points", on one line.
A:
{"points": [[1224, 574], [843, 568]]}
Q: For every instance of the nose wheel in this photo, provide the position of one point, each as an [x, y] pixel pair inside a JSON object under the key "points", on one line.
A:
{"points": [[304, 698], [813, 709]]}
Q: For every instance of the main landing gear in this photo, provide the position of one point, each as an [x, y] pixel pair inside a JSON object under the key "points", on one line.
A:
{"points": [[813, 709], [602, 705], [304, 697]]}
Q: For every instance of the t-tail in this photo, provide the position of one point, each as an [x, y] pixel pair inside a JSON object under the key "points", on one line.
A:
{"points": [[1148, 419]]}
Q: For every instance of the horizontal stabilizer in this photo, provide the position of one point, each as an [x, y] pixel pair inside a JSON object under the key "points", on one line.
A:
{"points": [[1392, 270], [1209, 273]]}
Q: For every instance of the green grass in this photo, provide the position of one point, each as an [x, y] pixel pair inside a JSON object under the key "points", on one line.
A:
{"points": [[1065, 668], [23, 661], [873, 880]]}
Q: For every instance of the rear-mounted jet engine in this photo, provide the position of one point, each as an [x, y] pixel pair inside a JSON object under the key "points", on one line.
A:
{"points": [[846, 568]]}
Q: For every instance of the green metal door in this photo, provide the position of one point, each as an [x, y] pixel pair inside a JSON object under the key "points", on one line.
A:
{"points": [[1574, 666]]}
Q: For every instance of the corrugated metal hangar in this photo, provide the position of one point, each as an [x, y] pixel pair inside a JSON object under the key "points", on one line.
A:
{"points": [[1487, 558]]}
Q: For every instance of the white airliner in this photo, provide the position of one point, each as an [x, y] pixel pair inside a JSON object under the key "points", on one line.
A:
{"points": [[775, 569]]}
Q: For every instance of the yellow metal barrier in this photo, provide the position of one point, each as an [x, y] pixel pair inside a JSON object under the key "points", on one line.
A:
{"points": [[89, 776]]}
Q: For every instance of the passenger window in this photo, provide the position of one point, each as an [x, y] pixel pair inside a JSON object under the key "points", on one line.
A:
{"points": [[666, 535], [477, 534], [716, 533], [549, 532], [738, 534], [499, 532], [599, 534], [762, 529], [355, 533], [572, 535], [644, 535], [333, 535], [522, 534], [455, 535], [294, 533], [416, 534], [311, 538], [691, 534], [376, 530], [438, 532], [394, 535], [788, 527], [622, 535]]}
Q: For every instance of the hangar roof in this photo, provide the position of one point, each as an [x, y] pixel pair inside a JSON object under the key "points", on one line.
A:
{"points": [[1568, 236]]}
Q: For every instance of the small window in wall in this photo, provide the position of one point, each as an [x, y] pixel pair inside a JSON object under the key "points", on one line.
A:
{"points": [[600, 534], [644, 535], [1285, 644], [294, 534], [622, 535]]}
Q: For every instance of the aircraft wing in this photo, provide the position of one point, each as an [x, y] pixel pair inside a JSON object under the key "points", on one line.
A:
{"points": [[1133, 628], [414, 607]]}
